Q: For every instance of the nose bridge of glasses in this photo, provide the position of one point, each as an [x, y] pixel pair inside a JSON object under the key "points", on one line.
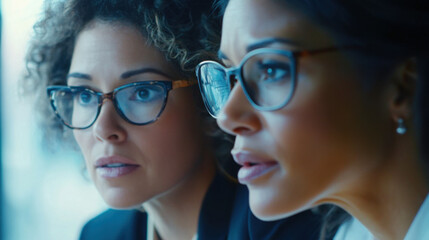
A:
{"points": [[233, 74], [107, 96]]}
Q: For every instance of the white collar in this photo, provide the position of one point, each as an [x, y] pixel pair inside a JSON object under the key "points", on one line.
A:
{"points": [[150, 229], [419, 227], [355, 230]]}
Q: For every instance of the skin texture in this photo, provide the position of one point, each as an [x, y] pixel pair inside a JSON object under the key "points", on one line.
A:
{"points": [[334, 142], [175, 168]]}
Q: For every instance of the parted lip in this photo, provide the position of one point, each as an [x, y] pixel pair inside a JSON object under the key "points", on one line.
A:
{"points": [[246, 158], [114, 159]]}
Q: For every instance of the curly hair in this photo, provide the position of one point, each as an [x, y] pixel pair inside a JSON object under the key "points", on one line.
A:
{"points": [[186, 32]]}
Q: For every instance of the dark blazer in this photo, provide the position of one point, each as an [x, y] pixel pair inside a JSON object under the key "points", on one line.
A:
{"points": [[225, 214]]}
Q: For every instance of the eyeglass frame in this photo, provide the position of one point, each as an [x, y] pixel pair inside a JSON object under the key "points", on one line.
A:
{"points": [[237, 72], [167, 85]]}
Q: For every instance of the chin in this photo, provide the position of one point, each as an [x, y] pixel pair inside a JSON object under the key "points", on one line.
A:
{"points": [[122, 205], [267, 209], [264, 216], [270, 214], [118, 200]]}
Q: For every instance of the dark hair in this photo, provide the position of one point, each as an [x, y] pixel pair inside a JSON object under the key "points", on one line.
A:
{"points": [[185, 31], [391, 30]]}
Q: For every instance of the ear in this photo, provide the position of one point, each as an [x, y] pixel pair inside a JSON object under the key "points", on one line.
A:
{"points": [[404, 82]]}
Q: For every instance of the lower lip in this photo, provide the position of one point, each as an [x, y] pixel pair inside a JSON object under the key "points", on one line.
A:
{"points": [[247, 174], [115, 172]]}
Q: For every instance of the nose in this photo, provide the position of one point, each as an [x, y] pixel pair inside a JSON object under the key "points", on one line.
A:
{"points": [[238, 117], [108, 126]]}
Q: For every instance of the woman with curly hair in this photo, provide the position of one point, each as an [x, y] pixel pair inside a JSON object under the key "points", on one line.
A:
{"points": [[119, 79], [328, 101]]}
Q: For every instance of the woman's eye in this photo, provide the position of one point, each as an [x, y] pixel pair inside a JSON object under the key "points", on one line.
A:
{"points": [[274, 71], [85, 98], [144, 94]]}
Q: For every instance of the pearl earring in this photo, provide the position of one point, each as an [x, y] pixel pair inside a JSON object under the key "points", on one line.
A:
{"points": [[401, 129]]}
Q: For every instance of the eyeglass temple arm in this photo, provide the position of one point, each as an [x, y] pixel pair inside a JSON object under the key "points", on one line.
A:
{"points": [[182, 83]]}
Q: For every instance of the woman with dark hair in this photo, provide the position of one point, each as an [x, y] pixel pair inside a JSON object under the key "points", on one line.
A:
{"points": [[327, 100], [119, 79]]}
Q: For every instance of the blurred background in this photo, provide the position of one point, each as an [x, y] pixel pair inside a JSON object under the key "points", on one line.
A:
{"points": [[44, 195]]}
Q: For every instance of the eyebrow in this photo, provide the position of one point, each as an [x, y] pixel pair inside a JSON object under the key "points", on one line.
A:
{"points": [[141, 71], [269, 41], [79, 75], [261, 44], [124, 75]]}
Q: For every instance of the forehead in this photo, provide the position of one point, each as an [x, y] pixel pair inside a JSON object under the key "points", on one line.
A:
{"points": [[105, 50], [112, 41], [249, 21]]}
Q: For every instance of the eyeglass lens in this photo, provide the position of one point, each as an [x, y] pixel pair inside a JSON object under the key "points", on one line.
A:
{"points": [[215, 86], [79, 107], [267, 78], [141, 104]]}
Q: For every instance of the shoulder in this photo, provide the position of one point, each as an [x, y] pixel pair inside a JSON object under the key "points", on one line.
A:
{"points": [[116, 225]]}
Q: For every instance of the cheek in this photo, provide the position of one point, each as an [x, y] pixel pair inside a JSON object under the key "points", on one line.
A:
{"points": [[309, 151], [325, 116], [314, 140], [313, 123], [173, 144], [169, 145]]}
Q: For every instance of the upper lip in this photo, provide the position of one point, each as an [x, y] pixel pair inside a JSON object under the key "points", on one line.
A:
{"points": [[243, 158], [103, 161]]}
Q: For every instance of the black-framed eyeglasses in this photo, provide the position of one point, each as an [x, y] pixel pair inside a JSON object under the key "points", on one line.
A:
{"points": [[139, 103], [268, 78]]}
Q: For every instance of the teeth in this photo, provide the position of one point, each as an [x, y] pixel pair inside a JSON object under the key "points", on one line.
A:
{"points": [[114, 165]]}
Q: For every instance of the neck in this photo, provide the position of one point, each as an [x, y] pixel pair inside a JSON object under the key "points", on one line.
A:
{"points": [[175, 214], [387, 198]]}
